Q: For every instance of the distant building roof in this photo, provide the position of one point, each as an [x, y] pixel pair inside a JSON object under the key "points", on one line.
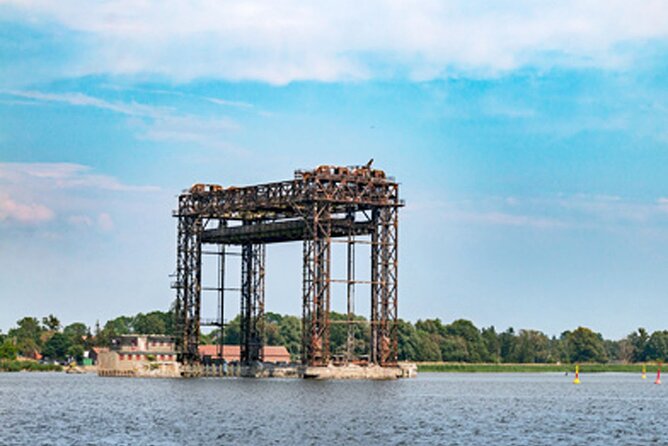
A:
{"points": [[271, 353]]}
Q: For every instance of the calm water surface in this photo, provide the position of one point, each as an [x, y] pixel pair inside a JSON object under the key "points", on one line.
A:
{"points": [[448, 409]]}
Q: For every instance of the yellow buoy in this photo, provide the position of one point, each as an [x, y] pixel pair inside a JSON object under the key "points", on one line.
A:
{"points": [[577, 375]]}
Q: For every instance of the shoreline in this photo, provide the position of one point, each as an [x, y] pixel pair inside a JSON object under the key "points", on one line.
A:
{"points": [[458, 367], [17, 365]]}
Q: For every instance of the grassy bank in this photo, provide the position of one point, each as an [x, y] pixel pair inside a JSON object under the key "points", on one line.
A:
{"points": [[454, 367], [8, 365]]}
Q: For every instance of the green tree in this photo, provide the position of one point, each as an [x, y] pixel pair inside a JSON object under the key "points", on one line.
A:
{"points": [[625, 351], [27, 336], [290, 328], [154, 322], [408, 341], [232, 335], [639, 340], [475, 347], [8, 350], [454, 348], [531, 346], [76, 351], [338, 333], [507, 341], [492, 344], [583, 345], [51, 323], [76, 333], [207, 338], [272, 331], [56, 347], [657, 346], [121, 325], [612, 349], [431, 326], [558, 350], [428, 346]]}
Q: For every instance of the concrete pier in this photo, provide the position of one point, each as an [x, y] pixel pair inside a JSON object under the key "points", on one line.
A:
{"points": [[372, 372], [269, 370]]}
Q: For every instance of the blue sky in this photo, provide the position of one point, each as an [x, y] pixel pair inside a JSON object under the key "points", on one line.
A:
{"points": [[530, 140]]}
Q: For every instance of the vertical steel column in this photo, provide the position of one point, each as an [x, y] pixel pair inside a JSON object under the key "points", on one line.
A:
{"points": [[374, 353], [384, 291], [252, 302], [307, 294], [188, 285], [393, 283], [316, 298], [221, 300], [350, 289]]}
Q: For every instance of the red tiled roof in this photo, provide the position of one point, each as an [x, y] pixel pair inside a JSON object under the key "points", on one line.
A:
{"points": [[271, 353]]}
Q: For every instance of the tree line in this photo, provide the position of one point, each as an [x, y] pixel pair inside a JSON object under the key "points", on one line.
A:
{"points": [[424, 340]]}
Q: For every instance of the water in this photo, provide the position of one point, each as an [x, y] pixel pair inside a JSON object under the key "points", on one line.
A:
{"points": [[447, 409]]}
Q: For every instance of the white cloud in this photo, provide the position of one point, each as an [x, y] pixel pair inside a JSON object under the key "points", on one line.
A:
{"points": [[105, 222], [153, 123], [662, 203], [61, 176], [82, 100], [280, 41], [28, 213], [38, 193], [80, 220], [205, 132], [551, 212], [225, 102]]}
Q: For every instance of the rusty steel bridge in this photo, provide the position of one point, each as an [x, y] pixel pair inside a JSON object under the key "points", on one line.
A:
{"points": [[350, 205]]}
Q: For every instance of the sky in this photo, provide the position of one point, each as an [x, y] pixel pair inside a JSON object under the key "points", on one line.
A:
{"points": [[529, 138]]}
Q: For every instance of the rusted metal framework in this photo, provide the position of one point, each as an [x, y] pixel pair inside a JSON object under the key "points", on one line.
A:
{"points": [[317, 207]]}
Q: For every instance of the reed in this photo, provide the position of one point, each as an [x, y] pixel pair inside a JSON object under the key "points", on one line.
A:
{"points": [[460, 367], [12, 365]]}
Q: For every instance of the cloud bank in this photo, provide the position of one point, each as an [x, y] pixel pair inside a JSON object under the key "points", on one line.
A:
{"points": [[39, 193], [285, 40]]}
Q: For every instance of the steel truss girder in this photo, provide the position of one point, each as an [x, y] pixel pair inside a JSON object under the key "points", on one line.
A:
{"points": [[188, 288], [384, 289], [252, 303], [316, 286]]}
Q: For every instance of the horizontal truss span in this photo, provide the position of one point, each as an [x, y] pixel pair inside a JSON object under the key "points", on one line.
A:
{"points": [[292, 198], [277, 232]]}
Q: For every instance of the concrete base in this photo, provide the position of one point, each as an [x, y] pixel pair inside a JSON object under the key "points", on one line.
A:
{"points": [[360, 372], [267, 370], [144, 371]]}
